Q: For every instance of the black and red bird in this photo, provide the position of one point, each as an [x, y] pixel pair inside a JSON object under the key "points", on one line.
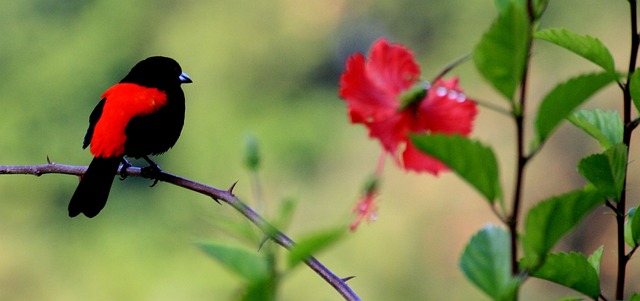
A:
{"points": [[141, 115]]}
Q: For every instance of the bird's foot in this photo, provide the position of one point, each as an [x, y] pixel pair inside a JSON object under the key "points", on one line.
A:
{"points": [[152, 171], [123, 169]]}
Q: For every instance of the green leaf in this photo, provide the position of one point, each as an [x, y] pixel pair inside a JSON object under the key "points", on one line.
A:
{"points": [[312, 244], [635, 227], [634, 88], [606, 171], [587, 47], [635, 297], [486, 262], [505, 5], [501, 54], [551, 219], [604, 126], [595, 259], [617, 155], [264, 290], [628, 232], [564, 98], [247, 264], [572, 270], [472, 161], [539, 6]]}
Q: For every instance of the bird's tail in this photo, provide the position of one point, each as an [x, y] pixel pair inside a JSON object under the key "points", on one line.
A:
{"points": [[93, 190]]}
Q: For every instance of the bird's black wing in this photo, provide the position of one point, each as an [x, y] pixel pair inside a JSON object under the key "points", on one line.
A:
{"points": [[93, 119]]}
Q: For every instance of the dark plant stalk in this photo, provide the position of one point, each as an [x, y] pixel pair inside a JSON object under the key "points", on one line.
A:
{"points": [[629, 126], [226, 196], [522, 158], [512, 221]]}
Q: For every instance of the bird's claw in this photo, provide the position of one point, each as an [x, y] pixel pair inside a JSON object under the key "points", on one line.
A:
{"points": [[123, 169], [152, 171]]}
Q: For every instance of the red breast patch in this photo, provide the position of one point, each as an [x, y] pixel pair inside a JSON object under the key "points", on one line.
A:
{"points": [[123, 102]]}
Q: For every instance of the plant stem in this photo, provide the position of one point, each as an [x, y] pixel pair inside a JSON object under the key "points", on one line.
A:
{"points": [[226, 196], [512, 221], [629, 126], [448, 68], [522, 158]]}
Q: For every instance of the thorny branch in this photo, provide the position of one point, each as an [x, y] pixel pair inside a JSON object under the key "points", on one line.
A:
{"points": [[226, 196]]}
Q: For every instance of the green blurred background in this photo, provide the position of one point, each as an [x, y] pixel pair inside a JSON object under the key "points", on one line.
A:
{"points": [[268, 69]]}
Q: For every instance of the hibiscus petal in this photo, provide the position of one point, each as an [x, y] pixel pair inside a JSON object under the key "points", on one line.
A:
{"points": [[391, 132], [447, 110], [371, 88], [392, 67], [417, 161], [365, 100]]}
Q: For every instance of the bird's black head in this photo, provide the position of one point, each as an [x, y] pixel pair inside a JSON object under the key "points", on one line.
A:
{"points": [[157, 72]]}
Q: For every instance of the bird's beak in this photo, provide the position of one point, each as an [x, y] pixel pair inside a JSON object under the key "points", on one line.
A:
{"points": [[184, 78]]}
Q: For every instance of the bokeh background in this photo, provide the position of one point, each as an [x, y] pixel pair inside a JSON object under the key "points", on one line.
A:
{"points": [[268, 69]]}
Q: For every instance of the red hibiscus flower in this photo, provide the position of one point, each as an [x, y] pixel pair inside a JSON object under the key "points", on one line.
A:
{"points": [[384, 93]]}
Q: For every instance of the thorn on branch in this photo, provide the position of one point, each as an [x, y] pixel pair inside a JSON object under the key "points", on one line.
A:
{"points": [[230, 190], [262, 242], [345, 279], [270, 232], [217, 200], [48, 160]]}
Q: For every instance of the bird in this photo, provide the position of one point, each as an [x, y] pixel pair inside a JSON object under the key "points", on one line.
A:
{"points": [[141, 115]]}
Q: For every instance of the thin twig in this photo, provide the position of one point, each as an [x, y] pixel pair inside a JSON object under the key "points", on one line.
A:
{"points": [[226, 196], [634, 124], [611, 206], [498, 214], [451, 66], [492, 107], [628, 256]]}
